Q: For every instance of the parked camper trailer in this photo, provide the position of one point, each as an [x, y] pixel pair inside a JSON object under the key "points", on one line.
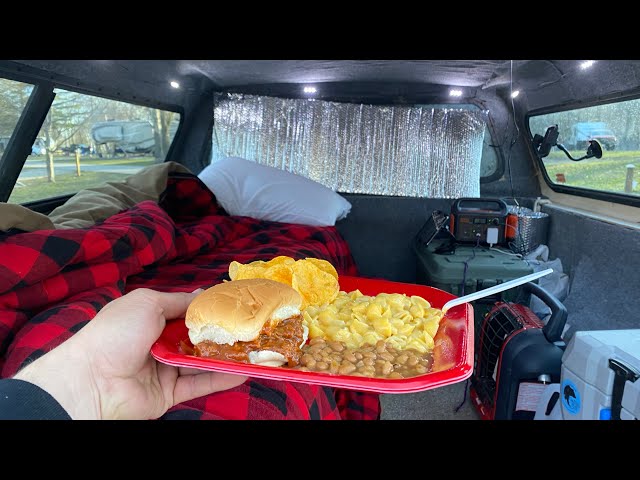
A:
{"points": [[125, 136]]}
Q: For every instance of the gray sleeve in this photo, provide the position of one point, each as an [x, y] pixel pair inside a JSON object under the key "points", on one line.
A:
{"points": [[20, 400]]}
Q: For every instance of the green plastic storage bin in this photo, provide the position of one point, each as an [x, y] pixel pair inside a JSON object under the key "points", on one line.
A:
{"points": [[484, 269]]}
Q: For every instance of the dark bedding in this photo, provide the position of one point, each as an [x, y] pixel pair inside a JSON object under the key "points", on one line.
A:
{"points": [[52, 282]]}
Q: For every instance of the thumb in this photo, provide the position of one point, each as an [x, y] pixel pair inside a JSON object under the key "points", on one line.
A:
{"points": [[189, 387], [173, 304]]}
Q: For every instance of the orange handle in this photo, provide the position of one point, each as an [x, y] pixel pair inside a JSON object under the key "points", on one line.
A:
{"points": [[511, 228]]}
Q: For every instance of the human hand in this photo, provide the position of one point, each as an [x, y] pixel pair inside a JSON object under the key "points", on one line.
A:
{"points": [[105, 371]]}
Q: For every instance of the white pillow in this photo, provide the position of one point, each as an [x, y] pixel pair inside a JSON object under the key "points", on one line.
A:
{"points": [[249, 189]]}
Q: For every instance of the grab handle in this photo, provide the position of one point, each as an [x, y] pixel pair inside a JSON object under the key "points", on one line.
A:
{"points": [[554, 327]]}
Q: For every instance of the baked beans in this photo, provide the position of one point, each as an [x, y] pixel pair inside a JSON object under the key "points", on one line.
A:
{"points": [[380, 360]]}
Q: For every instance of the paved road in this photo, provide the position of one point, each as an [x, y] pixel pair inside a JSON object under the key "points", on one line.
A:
{"points": [[36, 169]]}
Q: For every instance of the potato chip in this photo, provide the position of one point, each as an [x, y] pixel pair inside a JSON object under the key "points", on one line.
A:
{"points": [[324, 266], [233, 269], [256, 264], [248, 271], [280, 273], [316, 280], [314, 285], [238, 271], [282, 259]]}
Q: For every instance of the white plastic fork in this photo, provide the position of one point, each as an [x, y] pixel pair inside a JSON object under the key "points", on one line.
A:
{"points": [[495, 289]]}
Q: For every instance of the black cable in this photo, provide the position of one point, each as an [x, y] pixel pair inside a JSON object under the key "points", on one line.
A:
{"points": [[464, 281], [511, 245], [510, 176], [513, 108], [466, 265], [464, 399], [514, 141], [566, 152]]}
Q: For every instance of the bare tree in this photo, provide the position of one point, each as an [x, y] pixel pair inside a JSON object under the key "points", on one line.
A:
{"points": [[47, 127], [161, 121], [70, 114], [13, 98]]}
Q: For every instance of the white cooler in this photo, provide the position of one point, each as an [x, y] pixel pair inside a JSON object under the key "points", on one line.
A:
{"points": [[631, 402], [600, 376]]}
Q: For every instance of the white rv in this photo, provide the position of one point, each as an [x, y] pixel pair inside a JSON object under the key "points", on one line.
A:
{"points": [[128, 136]]}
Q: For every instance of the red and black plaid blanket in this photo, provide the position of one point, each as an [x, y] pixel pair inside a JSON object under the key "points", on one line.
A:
{"points": [[52, 282]]}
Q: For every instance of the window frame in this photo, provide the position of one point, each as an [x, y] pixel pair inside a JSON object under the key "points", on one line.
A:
{"points": [[613, 197], [498, 150], [44, 84], [15, 155]]}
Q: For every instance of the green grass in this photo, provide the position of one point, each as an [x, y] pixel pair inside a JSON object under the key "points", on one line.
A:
{"points": [[39, 188], [607, 174], [31, 189], [142, 161]]}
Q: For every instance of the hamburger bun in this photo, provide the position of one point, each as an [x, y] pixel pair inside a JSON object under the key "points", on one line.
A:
{"points": [[237, 311]]}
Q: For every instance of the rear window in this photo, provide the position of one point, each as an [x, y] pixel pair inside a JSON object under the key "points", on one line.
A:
{"points": [[432, 151], [86, 141], [616, 127]]}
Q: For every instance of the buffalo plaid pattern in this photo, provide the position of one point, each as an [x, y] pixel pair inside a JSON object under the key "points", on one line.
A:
{"points": [[52, 282]]}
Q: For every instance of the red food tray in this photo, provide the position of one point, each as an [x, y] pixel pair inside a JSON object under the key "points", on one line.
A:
{"points": [[452, 353]]}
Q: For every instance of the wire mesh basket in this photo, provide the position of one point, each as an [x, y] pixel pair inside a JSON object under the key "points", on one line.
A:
{"points": [[532, 229]]}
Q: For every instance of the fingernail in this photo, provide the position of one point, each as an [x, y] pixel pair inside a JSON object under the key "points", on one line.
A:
{"points": [[198, 290]]}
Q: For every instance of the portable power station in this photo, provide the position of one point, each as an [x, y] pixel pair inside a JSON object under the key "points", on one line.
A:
{"points": [[482, 219], [517, 357]]}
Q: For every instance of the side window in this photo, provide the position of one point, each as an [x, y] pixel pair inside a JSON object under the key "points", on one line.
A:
{"points": [[86, 141], [13, 98], [490, 166], [616, 127]]}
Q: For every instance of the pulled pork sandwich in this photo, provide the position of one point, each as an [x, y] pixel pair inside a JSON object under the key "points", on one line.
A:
{"points": [[252, 321]]}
